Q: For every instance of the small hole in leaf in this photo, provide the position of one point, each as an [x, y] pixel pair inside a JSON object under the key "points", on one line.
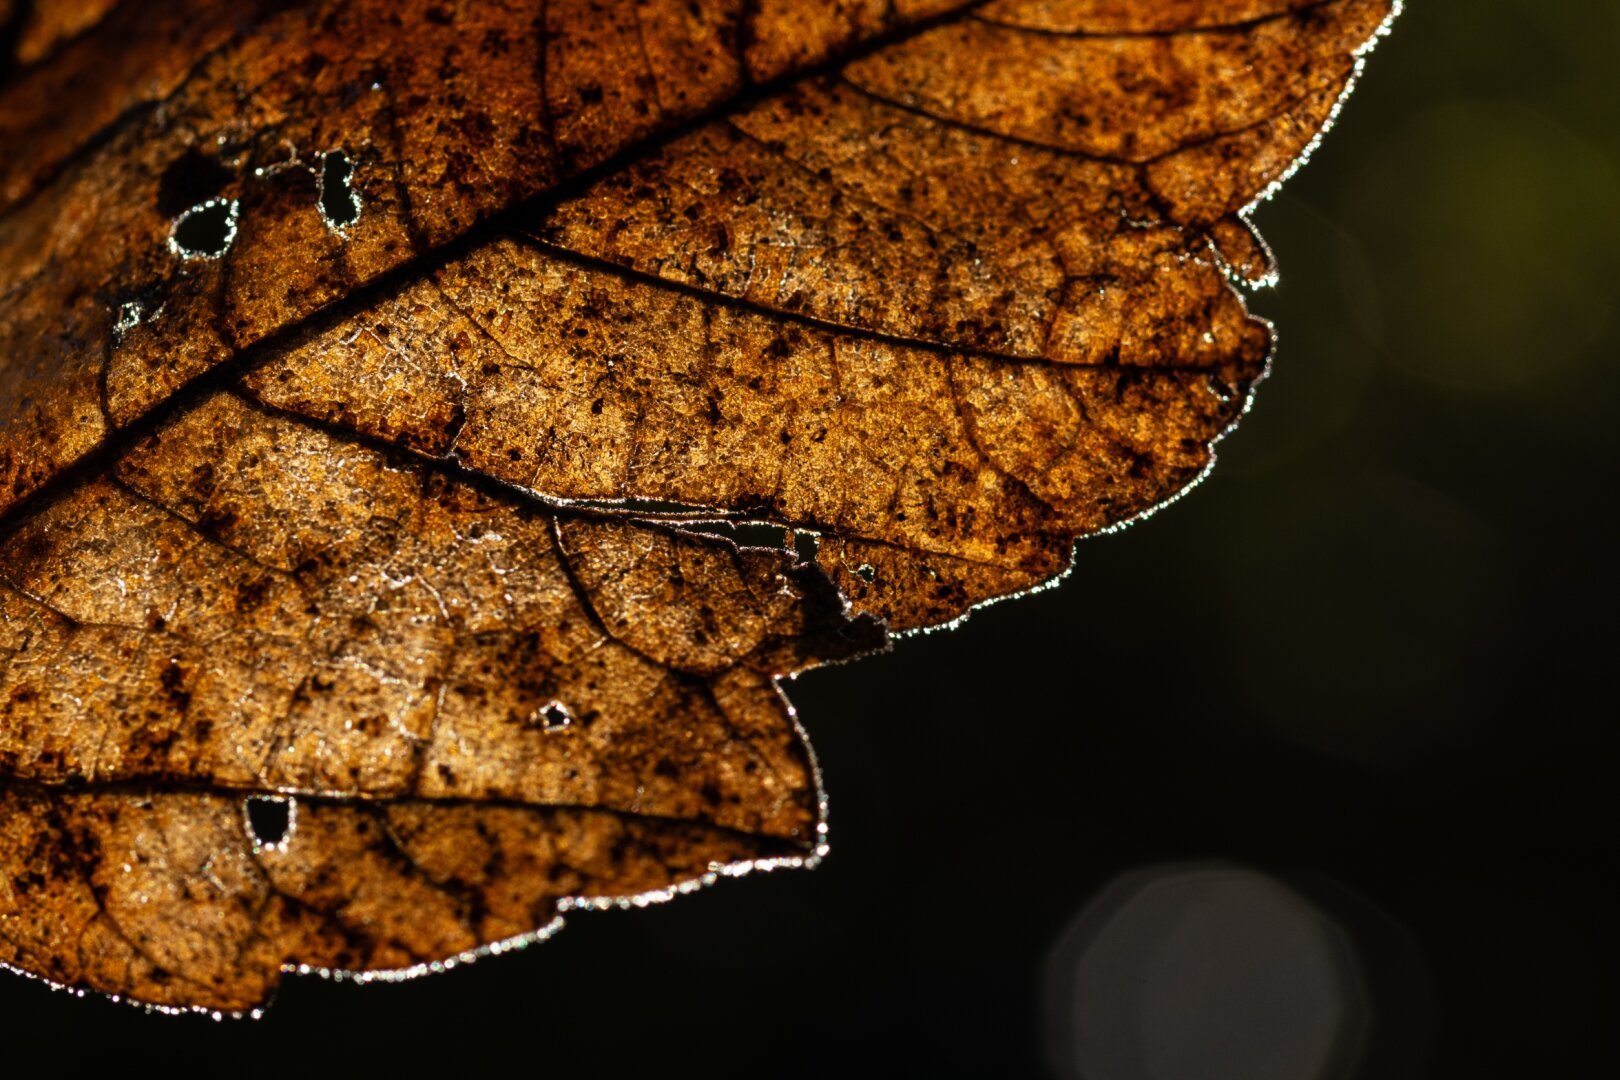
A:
{"points": [[205, 231], [269, 819], [865, 572], [339, 202], [552, 716]]}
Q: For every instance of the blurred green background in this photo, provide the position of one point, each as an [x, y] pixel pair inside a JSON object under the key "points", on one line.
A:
{"points": [[1370, 656]]}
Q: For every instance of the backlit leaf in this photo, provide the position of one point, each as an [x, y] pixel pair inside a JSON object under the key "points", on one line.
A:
{"points": [[385, 388]]}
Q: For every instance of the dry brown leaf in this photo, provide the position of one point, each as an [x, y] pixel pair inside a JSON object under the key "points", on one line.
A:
{"points": [[370, 371]]}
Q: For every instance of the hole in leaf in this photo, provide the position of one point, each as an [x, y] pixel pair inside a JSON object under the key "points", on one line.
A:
{"points": [[339, 202], [205, 231], [865, 572], [269, 819], [552, 716]]}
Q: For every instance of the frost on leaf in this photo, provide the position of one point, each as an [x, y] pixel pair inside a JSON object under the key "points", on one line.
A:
{"points": [[376, 586]]}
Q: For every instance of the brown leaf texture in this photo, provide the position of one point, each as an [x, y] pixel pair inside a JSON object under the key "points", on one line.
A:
{"points": [[383, 387]]}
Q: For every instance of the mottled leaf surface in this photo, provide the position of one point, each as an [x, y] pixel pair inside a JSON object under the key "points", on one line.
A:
{"points": [[383, 386]]}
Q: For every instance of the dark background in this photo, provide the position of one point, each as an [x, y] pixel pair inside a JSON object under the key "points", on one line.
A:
{"points": [[1370, 656]]}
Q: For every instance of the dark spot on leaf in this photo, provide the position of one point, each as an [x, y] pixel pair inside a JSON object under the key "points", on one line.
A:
{"points": [[191, 179]]}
